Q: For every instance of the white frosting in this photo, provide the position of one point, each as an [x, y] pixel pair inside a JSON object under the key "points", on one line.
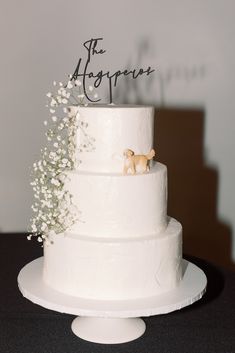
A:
{"points": [[115, 128], [123, 247], [115, 269], [120, 206]]}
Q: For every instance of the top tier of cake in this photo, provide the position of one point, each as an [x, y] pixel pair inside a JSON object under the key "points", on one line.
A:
{"points": [[115, 128]]}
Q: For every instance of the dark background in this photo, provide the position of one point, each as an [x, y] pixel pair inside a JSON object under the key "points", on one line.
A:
{"points": [[192, 185]]}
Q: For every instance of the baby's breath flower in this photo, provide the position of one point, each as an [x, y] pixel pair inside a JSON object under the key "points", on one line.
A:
{"points": [[43, 226], [54, 118], [55, 182], [59, 99], [60, 90], [53, 102], [69, 85], [61, 126], [53, 207], [78, 83]]}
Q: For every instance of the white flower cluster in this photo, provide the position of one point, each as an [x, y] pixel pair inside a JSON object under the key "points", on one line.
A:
{"points": [[54, 211], [69, 93]]}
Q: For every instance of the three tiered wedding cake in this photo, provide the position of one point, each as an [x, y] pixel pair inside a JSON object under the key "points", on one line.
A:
{"points": [[124, 246]]}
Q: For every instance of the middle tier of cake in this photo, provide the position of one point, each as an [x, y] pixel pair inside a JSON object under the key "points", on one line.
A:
{"points": [[117, 206]]}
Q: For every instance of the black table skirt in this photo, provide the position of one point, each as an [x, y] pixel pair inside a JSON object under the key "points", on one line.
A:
{"points": [[207, 326]]}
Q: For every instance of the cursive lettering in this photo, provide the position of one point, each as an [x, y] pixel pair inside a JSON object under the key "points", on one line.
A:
{"points": [[92, 49]]}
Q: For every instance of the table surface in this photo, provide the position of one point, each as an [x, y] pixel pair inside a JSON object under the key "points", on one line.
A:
{"points": [[207, 326]]}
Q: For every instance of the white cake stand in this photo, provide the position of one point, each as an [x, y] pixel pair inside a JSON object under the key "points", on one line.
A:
{"points": [[109, 321]]}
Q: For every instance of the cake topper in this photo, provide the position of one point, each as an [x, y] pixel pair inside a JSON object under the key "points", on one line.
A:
{"points": [[92, 47], [137, 162]]}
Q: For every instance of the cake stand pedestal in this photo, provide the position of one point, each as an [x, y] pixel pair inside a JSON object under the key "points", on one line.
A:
{"points": [[111, 321]]}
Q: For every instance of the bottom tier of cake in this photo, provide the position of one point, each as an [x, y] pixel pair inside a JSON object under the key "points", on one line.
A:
{"points": [[119, 269]]}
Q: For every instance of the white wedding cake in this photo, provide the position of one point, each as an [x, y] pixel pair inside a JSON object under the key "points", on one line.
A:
{"points": [[124, 246]]}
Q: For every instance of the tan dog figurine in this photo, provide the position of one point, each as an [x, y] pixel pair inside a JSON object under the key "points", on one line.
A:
{"points": [[137, 162]]}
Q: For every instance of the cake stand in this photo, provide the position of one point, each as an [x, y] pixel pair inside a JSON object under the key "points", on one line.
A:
{"points": [[111, 321]]}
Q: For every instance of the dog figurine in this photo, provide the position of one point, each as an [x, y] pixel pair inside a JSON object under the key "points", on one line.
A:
{"points": [[137, 162]]}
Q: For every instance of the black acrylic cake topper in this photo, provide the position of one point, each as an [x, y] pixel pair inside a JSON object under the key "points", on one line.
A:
{"points": [[91, 46]]}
